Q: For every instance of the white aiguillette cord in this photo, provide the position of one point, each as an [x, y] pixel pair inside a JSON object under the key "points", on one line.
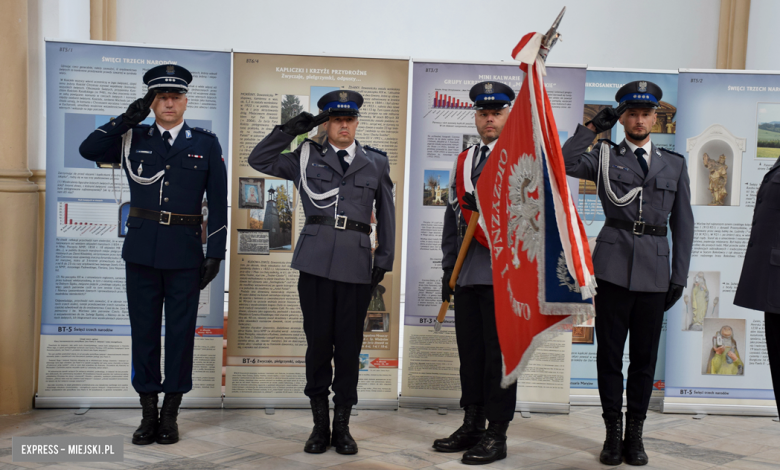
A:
{"points": [[627, 199], [312, 195], [127, 141]]}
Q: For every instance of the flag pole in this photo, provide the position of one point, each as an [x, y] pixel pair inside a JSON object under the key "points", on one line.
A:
{"points": [[464, 249]]}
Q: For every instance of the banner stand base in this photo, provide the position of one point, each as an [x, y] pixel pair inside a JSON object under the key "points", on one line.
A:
{"points": [[303, 403], [711, 409], [656, 403], [454, 404], [119, 402]]}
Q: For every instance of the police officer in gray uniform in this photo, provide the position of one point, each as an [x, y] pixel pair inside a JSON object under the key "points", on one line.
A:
{"points": [[759, 284], [340, 182], [475, 324], [641, 187]]}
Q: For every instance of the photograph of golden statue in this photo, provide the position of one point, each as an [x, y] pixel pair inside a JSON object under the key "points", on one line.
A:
{"points": [[718, 177], [724, 356]]}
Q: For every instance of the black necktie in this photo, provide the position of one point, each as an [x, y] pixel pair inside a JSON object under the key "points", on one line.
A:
{"points": [[166, 138], [640, 157], [483, 155], [341, 154]]}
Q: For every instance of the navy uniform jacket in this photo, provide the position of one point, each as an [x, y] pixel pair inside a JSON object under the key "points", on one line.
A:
{"points": [[640, 264], [476, 268], [759, 284], [186, 178], [339, 255]]}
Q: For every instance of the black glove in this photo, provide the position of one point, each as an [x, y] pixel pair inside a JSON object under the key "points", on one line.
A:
{"points": [[377, 274], [673, 295], [303, 123], [470, 202], [138, 109], [208, 271], [604, 120], [446, 292]]}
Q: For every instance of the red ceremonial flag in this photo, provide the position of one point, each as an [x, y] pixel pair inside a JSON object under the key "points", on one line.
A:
{"points": [[542, 270]]}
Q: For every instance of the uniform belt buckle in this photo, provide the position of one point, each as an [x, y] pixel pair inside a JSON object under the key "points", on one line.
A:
{"points": [[341, 222], [163, 219], [639, 228]]}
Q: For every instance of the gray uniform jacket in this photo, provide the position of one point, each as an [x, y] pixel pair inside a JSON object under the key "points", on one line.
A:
{"points": [[638, 263], [476, 268], [759, 284], [339, 255]]}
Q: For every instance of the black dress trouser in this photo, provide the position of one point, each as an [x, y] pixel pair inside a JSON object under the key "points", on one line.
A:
{"points": [[147, 288], [619, 312], [772, 334], [480, 354], [333, 317]]}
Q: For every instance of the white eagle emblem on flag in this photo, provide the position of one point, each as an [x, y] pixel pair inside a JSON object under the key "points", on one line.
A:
{"points": [[523, 226]]}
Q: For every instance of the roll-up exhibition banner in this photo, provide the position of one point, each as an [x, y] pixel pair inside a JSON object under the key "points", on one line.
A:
{"points": [[729, 131], [600, 88], [85, 329], [266, 343], [442, 127]]}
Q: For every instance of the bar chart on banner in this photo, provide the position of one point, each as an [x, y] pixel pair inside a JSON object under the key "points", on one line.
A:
{"points": [[449, 106], [87, 218]]}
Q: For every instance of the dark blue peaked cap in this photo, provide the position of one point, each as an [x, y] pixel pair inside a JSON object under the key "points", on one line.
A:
{"points": [[341, 103], [491, 95], [168, 78], [639, 94]]}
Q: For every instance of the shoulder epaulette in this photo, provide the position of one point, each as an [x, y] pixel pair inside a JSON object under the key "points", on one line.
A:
{"points": [[608, 141], [204, 131], [381, 152], [316, 144], [669, 151]]}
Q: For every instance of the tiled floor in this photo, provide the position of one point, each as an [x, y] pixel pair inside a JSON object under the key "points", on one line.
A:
{"points": [[250, 439]]}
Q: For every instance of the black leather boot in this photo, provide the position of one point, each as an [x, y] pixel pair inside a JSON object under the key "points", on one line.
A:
{"points": [[168, 432], [147, 431], [491, 447], [341, 439], [467, 436], [612, 452], [319, 439], [633, 447]]}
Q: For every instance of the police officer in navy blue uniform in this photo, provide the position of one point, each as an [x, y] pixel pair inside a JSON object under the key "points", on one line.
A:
{"points": [[169, 165], [641, 187], [340, 182], [759, 283], [475, 322]]}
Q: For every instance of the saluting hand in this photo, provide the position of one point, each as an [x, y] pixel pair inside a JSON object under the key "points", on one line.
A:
{"points": [[604, 120], [208, 271], [303, 123], [138, 109]]}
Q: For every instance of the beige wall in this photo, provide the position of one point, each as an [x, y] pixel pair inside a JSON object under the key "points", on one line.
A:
{"points": [[19, 215]]}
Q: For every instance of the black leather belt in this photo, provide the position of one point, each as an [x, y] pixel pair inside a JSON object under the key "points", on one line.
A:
{"points": [[637, 228], [166, 218], [341, 222]]}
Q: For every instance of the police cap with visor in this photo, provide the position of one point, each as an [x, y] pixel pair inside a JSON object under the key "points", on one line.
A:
{"points": [[341, 103], [491, 95], [638, 94], [168, 78]]}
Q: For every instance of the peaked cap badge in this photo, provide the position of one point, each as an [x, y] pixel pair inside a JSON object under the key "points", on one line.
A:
{"points": [[343, 97], [642, 87]]}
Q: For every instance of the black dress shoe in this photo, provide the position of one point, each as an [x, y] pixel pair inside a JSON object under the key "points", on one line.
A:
{"points": [[491, 447], [147, 431], [341, 439], [319, 439], [612, 452], [466, 436], [168, 433], [633, 447]]}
